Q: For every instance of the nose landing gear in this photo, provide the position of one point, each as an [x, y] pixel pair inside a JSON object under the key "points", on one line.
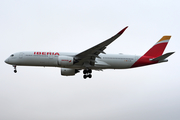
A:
{"points": [[87, 73], [15, 71]]}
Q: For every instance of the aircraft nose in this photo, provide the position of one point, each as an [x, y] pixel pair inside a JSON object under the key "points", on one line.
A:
{"points": [[7, 60]]}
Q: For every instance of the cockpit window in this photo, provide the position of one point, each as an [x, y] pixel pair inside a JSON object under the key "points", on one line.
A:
{"points": [[12, 55]]}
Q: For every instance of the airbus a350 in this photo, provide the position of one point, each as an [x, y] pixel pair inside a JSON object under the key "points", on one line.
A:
{"points": [[93, 58]]}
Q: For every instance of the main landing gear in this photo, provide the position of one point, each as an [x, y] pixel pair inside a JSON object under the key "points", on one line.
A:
{"points": [[15, 71], [87, 73]]}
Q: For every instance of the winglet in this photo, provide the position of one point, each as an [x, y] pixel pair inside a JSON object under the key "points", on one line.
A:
{"points": [[121, 32]]}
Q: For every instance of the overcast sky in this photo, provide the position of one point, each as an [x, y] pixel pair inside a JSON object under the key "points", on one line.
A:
{"points": [[38, 93]]}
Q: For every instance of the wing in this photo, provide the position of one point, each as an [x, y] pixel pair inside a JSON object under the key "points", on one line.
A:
{"points": [[87, 57]]}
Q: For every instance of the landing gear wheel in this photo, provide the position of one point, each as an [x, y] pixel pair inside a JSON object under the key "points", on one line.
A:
{"points": [[84, 76], [15, 71], [90, 76], [87, 73]]}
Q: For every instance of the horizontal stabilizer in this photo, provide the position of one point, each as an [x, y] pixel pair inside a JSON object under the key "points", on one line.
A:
{"points": [[162, 57]]}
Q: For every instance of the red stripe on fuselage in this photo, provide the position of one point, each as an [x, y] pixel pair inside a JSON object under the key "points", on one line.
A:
{"points": [[142, 61]]}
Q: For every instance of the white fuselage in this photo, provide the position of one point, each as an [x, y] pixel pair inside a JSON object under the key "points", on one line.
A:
{"points": [[91, 59], [104, 61]]}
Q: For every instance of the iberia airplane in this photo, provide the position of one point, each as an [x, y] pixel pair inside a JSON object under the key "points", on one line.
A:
{"points": [[93, 58]]}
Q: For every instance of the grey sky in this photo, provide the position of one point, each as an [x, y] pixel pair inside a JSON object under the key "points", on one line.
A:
{"points": [[37, 93]]}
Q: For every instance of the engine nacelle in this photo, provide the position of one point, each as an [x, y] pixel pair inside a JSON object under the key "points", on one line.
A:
{"points": [[68, 71], [64, 61]]}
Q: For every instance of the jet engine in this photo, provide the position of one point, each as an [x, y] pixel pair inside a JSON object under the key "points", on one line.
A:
{"points": [[68, 71], [64, 61]]}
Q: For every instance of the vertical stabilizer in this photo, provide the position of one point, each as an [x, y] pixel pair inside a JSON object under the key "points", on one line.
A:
{"points": [[158, 49]]}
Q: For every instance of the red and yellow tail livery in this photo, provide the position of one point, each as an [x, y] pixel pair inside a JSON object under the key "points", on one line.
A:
{"points": [[154, 55], [158, 49]]}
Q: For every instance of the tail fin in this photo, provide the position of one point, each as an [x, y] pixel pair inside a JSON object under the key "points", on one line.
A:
{"points": [[158, 49]]}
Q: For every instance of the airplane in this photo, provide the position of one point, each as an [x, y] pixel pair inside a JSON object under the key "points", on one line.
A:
{"points": [[93, 58]]}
